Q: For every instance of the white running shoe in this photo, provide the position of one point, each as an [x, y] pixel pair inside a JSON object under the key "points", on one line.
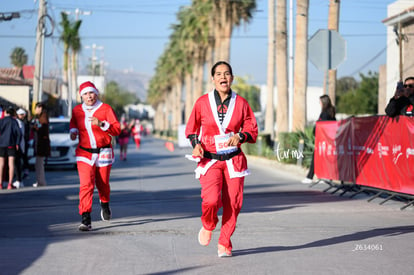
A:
{"points": [[307, 181], [18, 184]]}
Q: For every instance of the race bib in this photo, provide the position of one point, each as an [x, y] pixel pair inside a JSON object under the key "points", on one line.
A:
{"points": [[221, 144], [105, 157]]}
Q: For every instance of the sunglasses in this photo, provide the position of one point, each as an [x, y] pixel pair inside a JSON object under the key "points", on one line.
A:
{"points": [[409, 86]]}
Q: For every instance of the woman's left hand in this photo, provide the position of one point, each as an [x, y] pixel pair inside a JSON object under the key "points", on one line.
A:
{"points": [[94, 121], [234, 140]]}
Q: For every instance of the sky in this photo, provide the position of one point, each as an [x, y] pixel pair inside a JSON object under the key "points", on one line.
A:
{"points": [[130, 35]]}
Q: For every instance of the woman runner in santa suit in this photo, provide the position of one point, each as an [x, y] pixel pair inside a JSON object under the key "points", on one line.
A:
{"points": [[219, 123], [95, 123]]}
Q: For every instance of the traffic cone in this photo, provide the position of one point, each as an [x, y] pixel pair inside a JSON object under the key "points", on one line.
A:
{"points": [[170, 146]]}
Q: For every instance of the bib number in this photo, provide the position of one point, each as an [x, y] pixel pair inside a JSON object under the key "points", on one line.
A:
{"points": [[221, 142], [105, 157]]}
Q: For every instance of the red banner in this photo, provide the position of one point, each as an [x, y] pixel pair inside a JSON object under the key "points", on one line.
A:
{"points": [[374, 151]]}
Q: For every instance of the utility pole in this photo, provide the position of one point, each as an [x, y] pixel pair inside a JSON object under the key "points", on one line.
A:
{"points": [[94, 47], [333, 24], [40, 38]]}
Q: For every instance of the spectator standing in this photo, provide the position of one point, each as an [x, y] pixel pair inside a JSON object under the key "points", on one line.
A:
{"points": [[21, 150], [40, 126], [22, 116], [402, 102], [10, 137], [327, 113], [95, 123]]}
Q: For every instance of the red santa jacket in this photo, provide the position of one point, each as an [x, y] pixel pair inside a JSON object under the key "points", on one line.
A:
{"points": [[204, 122], [92, 136]]}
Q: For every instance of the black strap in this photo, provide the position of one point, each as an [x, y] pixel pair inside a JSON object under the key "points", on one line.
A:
{"points": [[221, 156], [94, 150]]}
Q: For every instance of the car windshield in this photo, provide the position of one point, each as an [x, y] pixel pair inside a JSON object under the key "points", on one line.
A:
{"points": [[60, 127]]}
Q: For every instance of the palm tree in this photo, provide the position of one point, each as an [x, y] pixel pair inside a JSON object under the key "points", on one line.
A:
{"points": [[301, 68], [333, 24], [71, 45], [230, 14], [281, 69], [18, 57], [269, 117]]}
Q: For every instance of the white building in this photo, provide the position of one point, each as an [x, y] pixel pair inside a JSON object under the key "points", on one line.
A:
{"points": [[400, 19]]}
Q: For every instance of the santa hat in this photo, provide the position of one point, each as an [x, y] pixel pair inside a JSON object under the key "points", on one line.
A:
{"points": [[87, 87]]}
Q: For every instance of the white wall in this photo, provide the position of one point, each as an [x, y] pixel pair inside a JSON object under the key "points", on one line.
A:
{"points": [[19, 95], [392, 47]]}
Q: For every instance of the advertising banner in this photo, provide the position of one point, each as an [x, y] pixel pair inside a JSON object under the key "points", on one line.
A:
{"points": [[374, 151]]}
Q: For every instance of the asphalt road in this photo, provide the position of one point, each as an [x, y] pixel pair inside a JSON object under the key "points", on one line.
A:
{"points": [[285, 227]]}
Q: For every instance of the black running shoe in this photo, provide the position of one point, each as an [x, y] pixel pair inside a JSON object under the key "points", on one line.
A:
{"points": [[105, 211], [86, 222]]}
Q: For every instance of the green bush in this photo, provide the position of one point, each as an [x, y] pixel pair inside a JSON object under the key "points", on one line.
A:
{"points": [[287, 150]]}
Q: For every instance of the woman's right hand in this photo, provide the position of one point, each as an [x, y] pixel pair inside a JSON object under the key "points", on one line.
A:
{"points": [[198, 151]]}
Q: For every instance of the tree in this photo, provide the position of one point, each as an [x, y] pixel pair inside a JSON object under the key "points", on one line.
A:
{"points": [[333, 24], [18, 57], [229, 14], [281, 68], [71, 46], [271, 51], [343, 86], [118, 98], [250, 92], [301, 68], [363, 99]]}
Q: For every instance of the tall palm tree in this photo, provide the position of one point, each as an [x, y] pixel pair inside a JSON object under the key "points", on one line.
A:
{"points": [[301, 68], [71, 45], [230, 14], [18, 57], [269, 117], [281, 69], [333, 24]]}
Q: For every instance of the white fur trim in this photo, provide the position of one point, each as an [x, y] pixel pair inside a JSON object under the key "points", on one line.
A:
{"points": [[88, 89]]}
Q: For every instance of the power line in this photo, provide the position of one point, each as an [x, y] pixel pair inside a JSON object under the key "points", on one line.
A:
{"points": [[370, 61]]}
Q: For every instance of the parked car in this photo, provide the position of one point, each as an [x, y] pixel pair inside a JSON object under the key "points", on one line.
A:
{"points": [[62, 148]]}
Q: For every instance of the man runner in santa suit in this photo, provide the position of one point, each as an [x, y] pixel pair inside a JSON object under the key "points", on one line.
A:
{"points": [[219, 123], [95, 123]]}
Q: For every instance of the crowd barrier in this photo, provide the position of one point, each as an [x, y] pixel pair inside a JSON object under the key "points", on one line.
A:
{"points": [[375, 151]]}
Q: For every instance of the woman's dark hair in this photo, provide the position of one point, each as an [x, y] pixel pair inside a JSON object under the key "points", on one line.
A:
{"points": [[409, 78], [10, 110], [41, 105], [213, 69], [327, 105]]}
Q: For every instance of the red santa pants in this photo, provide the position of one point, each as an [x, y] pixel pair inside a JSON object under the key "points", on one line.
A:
{"points": [[218, 190], [89, 176]]}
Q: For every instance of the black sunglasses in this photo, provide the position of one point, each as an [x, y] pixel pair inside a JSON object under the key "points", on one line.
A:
{"points": [[409, 86]]}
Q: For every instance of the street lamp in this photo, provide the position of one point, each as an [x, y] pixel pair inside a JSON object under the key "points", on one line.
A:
{"points": [[94, 47]]}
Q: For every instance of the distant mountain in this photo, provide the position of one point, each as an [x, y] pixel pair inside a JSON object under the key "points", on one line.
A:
{"points": [[134, 82]]}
